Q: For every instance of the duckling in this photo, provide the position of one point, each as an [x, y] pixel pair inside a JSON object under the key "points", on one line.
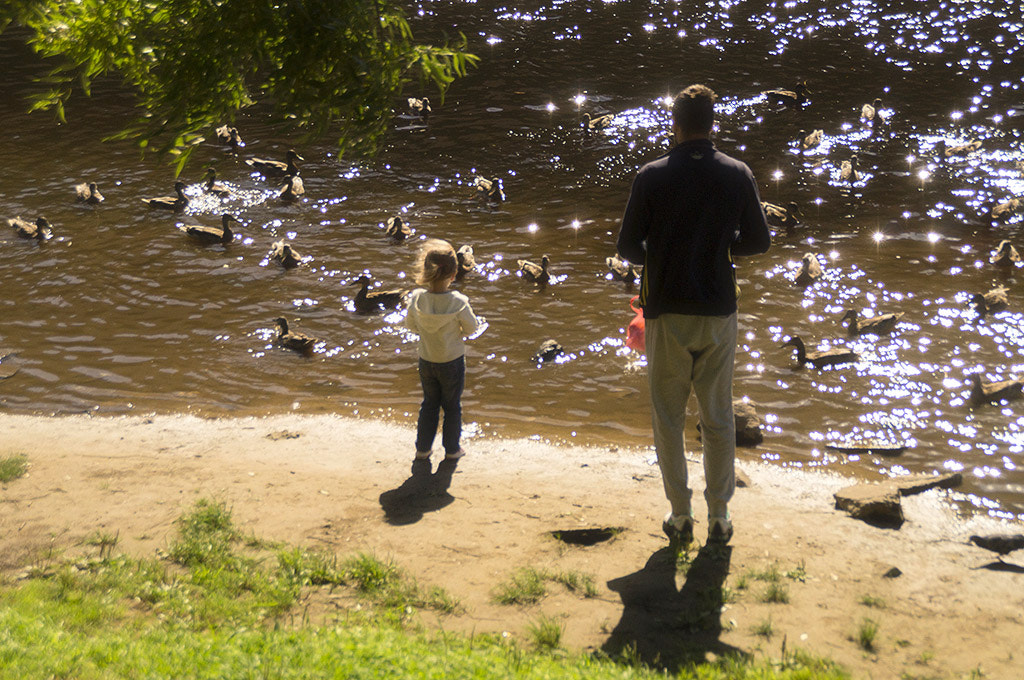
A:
{"points": [[214, 187], [212, 235], [229, 136], [848, 170], [1005, 255], [292, 190], [990, 393], [1008, 209], [397, 228], [419, 107], [992, 301], [549, 349], [810, 141], [367, 302], [822, 358], [88, 193], [869, 111], [590, 124], [300, 342], [875, 325], [284, 254], [960, 149], [621, 270], [795, 97], [782, 217], [272, 168], [810, 270], [176, 203], [489, 190], [533, 272], [466, 260], [39, 230]]}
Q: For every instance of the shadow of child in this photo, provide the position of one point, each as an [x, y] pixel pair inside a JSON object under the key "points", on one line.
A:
{"points": [[422, 492]]}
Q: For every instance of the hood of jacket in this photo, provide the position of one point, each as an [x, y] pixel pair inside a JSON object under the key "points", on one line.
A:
{"points": [[433, 311]]}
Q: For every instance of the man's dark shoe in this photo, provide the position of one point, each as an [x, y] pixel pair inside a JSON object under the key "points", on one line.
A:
{"points": [[679, 536]]}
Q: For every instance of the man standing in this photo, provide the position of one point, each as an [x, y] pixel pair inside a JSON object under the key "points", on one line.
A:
{"points": [[689, 212]]}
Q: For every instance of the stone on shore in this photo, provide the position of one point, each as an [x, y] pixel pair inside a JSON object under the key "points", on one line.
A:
{"points": [[876, 504], [915, 484], [748, 424]]}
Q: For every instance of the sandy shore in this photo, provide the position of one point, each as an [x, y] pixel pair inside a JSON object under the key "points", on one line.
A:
{"points": [[347, 485]]}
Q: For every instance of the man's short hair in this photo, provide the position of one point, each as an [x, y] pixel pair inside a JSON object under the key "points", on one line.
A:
{"points": [[694, 110]]}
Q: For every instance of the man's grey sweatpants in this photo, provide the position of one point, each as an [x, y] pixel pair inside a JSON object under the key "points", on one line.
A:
{"points": [[685, 351]]}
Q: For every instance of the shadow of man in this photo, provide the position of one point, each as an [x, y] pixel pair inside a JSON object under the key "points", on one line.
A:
{"points": [[422, 492], [672, 627]]}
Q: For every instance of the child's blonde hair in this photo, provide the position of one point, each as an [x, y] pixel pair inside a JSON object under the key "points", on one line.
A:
{"points": [[437, 262]]}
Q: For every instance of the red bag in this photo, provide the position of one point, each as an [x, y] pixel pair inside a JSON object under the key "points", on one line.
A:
{"points": [[635, 329]]}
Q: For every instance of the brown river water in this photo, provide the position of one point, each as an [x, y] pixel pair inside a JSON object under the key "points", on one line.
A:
{"points": [[120, 313]]}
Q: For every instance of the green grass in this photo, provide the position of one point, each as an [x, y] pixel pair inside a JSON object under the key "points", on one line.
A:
{"points": [[215, 607], [776, 593], [872, 601], [12, 467], [527, 585], [764, 629], [866, 634]]}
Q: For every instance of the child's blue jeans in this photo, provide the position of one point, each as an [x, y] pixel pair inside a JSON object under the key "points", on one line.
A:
{"points": [[442, 389]]}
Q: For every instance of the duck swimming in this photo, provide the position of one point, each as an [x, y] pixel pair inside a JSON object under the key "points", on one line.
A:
{"points": [[1005, 255], [272, 168], [284, 254], [229, 136], [590, 124], [960, 149], [419, 107], [397, 228], [548, 350], [292, 190], [300, 342], [214, 187], [819, 359], [810, 270], [39, 230], [875, 325], [993, 301], [88, 193], [795, 97], [870, 111], [211, 235], [175, 203], [1007, 209], [848, 170], [993, 392], [810, 141], [621, 270], [533, 272], [489, 191], [466, 260], [781, 217], [366, 302]]}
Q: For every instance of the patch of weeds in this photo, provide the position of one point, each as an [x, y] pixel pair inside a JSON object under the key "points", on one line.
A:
{"points": [[801, 660], [776, 593], [770, 574], [546, 633], [206, 534], [310, 567], [12, 467], [684, 560], [764, 629], [872, 601], [925, 658], [577, 581], [105, 541], [728, 595], [866, 634], [368, 574], [798, 573], [526, 586], [743, 582], [441, 600]]}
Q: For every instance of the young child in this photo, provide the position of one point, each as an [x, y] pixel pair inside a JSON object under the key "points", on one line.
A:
{"points": [[442, 318]]}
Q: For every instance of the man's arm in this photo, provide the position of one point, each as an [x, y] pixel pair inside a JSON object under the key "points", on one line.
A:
{"points": [[754, 236], [633, 232]]}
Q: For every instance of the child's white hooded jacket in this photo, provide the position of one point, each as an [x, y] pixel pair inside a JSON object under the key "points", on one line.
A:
{"points": [[441, 320]]}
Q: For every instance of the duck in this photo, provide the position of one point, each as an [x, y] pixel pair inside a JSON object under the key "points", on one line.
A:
{"points": [[300, 342], [39, 230], [466, 261], [88, 193], [810, 141], [1000, 544], [993, 301], [880, 324], [810, 270], [366, 302], [1007, 209], [214, 187], [419, 107], [292, 190], [397, 228], [212, 235], [782, 217], [819, 359], [621, 270], [849, 171], [869, 111], [548, 350], [229, 135], [960, 149], [175, 203], [993, 392], [489, 190], [593, 124], [1005, 255], [533, 272], [284, 254], [272, 168], [795, 97]]}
